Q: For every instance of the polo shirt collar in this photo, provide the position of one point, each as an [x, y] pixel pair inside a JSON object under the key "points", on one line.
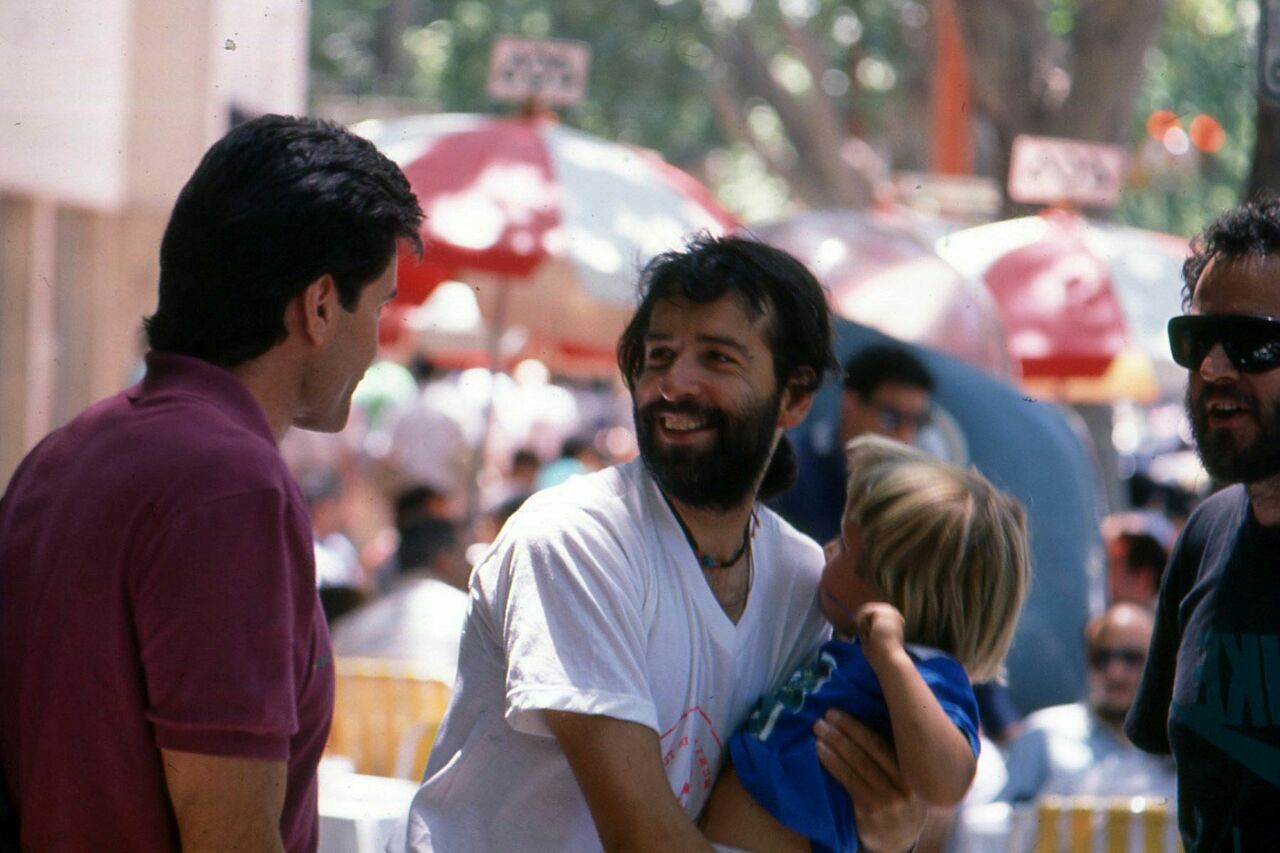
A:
{"points": [[170, 373]]}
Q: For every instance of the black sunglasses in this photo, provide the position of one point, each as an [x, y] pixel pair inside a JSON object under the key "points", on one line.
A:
{"points": [[893, 418], [1251, 343], [1131, 658]]}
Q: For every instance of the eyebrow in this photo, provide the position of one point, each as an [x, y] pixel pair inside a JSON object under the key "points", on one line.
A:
{"points": [[718, 340]]}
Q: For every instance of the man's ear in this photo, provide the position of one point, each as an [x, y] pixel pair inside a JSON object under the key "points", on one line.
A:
{"points": [[319, 305], [797, 397]]}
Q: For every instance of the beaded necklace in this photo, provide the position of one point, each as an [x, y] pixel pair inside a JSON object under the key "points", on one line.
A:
{"points": [[706, 561]]}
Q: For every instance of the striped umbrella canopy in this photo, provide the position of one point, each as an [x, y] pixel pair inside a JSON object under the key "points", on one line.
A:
{"points": [[880, 269], [548, 225], [1084, 303]]}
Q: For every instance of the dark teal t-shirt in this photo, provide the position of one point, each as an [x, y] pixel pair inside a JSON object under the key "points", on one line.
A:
{"points": [[1210, 693]]}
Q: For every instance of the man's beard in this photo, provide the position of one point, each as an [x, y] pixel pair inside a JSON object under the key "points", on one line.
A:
{"points": [[1221, 457], [718, 477]]}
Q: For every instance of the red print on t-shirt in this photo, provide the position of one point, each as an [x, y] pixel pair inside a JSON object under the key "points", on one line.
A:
{"points": [[693, 730]]}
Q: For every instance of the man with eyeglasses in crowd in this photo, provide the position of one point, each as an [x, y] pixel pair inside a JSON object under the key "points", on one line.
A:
{"points": [[1080, 748], [887, 391], [1210, 693]]}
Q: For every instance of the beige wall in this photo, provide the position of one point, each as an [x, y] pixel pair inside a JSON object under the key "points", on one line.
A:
{"points": [[106, 106], [15, 297], [63, 99]]}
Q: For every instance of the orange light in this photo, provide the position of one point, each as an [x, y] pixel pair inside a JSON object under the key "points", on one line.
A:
{"points": [[1206, 134], [1161, 122]]}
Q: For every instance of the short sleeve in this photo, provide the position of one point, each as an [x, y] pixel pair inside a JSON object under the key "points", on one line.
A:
{"points": [[1147, 724], [214, 609], [571, 624], [1148, 719], [950, 686]]}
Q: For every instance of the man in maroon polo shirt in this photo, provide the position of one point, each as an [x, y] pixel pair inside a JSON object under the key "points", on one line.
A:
{"points": [[166, 669]]}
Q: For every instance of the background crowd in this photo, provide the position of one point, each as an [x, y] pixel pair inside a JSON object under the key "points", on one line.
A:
{"points": [[878, 145]]}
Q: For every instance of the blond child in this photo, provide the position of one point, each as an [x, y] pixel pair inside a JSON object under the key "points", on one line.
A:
{"points": [[923, 588]]}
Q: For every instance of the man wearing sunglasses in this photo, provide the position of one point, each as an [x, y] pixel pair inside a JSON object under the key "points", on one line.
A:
{"points": [[1079, 748], [887, 391], [1210, 693]]}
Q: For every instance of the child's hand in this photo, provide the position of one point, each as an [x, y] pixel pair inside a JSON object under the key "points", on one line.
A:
{"points": [[880, 628]]}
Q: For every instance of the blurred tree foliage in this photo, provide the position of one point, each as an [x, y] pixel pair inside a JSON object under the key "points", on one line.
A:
{"points": [[778, 102], [648, 74], [1204, 63], [757, 97]]}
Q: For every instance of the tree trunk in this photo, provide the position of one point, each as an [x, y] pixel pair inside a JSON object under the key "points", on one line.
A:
{"points": [[819, 174], [392, 61], [1007, 45], [1108, 49], [1264, 176], [1023, 81]]}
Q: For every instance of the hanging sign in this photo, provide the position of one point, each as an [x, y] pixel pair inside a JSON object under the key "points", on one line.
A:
{"points": [[553, 71], [1045, 170]]}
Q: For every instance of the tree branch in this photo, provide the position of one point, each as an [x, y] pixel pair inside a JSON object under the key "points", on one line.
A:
{"points": [[1108, 45], [830, 181], [1005, 41], [725, 102], [824, 123]]}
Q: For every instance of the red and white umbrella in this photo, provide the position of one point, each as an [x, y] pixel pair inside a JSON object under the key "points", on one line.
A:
{"points": [[547, 224], [1084, 304], [880, 269]]}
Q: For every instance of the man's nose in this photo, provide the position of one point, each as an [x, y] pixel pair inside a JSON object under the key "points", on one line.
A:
{"points": [[1216, 366], [679, 380]]}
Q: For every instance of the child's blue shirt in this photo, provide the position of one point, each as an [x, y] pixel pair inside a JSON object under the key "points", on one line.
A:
{"points": [[775, 754]]}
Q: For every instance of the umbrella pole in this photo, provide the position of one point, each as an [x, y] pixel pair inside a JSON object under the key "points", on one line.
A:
{"points": [[497, 327]]}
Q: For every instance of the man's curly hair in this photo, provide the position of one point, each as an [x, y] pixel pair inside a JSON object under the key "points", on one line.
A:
{"points": [[1252, 228]]}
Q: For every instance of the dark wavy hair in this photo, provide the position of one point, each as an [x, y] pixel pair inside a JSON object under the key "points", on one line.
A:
{"points": [[1252, 228], [875, 365], [771, 284], [275, 204]]}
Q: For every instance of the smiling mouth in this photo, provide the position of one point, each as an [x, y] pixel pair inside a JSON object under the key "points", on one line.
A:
{"points": [[682, 423], [1225, 410]]}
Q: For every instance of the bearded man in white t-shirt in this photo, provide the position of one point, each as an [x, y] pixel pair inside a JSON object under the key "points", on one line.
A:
{"points": [[624, 623]]}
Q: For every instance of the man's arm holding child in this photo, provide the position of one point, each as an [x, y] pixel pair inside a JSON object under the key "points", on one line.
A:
{"points": [[733, 818], [935, 758], [618, 766]]}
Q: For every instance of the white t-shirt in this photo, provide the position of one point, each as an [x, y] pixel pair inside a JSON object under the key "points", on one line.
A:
{"points": [[591, 601]]}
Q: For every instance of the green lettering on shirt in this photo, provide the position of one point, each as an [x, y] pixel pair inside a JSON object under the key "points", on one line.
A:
{"points": [[1244, 691]]}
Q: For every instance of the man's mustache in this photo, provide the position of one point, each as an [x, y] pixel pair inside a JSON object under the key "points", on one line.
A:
{"points": [[1238, 396], [692, 408]]}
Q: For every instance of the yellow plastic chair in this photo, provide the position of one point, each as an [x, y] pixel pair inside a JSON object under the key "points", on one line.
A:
{"points": [[385, 716], [1113, 824]]}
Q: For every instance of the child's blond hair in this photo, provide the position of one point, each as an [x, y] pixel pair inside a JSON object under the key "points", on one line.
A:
{"points": [[946, 547]]}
